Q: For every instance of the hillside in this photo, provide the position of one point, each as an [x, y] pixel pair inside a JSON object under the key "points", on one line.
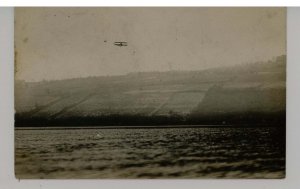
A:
{"points": [[256, 87]]}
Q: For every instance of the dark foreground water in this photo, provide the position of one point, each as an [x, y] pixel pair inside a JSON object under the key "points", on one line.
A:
{"points": [[151, 153]]}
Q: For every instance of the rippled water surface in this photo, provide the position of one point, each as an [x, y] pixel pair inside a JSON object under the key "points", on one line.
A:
{"points": [[150, 153]]}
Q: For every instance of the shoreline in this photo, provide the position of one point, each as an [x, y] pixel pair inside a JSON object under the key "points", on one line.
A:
{"points": [[143, 127]]}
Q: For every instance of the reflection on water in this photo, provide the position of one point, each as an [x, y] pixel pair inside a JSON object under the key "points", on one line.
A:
{"points": [[151, 153]]}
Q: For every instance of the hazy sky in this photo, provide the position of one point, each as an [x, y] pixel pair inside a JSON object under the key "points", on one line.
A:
{"points": [[59, 43]]}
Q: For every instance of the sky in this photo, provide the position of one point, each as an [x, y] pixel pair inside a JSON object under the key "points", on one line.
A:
{"points": [[62, 43]]}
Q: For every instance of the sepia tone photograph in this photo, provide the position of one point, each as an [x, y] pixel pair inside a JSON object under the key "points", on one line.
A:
{"points": [[145, 93]]}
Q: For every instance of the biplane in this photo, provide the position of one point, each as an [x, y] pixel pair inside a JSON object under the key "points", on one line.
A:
{"points": [[120, 44]]}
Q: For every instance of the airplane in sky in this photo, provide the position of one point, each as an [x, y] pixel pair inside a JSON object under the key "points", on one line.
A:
{"points": [[120, 44]]}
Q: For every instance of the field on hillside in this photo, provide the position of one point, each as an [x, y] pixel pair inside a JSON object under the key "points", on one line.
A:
{"points": [[153, 93]]}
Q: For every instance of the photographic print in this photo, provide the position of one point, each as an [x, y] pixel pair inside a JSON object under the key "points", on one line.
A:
{"points": [[156, 92]]}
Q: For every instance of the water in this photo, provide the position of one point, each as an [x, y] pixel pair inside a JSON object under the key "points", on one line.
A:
{"points": [[151, 153]]}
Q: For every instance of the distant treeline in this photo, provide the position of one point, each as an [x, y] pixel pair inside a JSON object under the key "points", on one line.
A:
{"points": [[249, 118]]}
